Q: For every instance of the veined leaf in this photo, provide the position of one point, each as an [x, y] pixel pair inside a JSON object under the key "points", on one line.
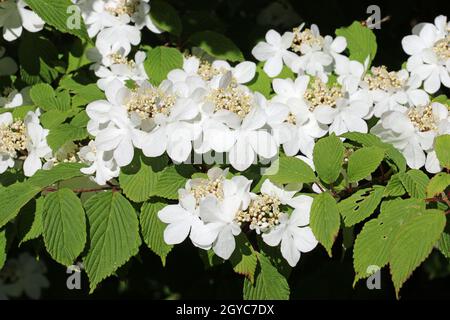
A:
{"points": [[360, 205], [153, 229], [413, 244], [363, 162], [114, 235], [374, 243], [269, 283], [61, 14], [325, 220], [64, 226], [328, 156]]}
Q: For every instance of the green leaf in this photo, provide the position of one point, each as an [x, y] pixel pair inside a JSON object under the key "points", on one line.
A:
{"points": [[442, 148], [290, 170], [415, 183], [138, 180], [153, 229], [394, 187], [165, 17], [438, 184], [47, 99], [65, 133], [325, 220], [244, 259], [361, 41], [63, 171], [171, 179], [38, 59], [370, 140], [64, 226], [34, 227], [58, 14], [364, 162], [374, 243], [53, 118], [114, 235], [360, 205], [413, 245], [160, 61], [13, 198], [2, 248], [328, 156], [269, 283], [216, 45], [77, 55], [444, 245]]}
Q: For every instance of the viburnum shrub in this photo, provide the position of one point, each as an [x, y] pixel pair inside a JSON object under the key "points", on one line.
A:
{"points": [[112, 143]]}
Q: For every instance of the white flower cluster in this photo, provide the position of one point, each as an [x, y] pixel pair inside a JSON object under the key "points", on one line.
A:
{"points": [[25, 140], [408, 119], [206, 107], [202, 108], [116, 25], [214, 210]]}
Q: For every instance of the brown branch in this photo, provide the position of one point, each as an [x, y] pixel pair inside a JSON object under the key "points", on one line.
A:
{"points": [[113, 188]]}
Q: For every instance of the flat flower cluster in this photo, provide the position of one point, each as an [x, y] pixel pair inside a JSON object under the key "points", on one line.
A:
{"points": [[207, 108], [212, 211]]}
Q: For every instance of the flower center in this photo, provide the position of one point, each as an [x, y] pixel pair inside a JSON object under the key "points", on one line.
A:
{"points": [[120, 7], [423, 118], [263, 213], [305, 37], [117, 58], [208, 187], [149, 103], [442, 48], [232, 98], [319, 93], [206, 71], [13, 138], [382, 79], [291, 118]]}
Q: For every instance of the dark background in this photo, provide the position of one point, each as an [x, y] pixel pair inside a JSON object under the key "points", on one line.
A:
{"points": [[317, 276]]}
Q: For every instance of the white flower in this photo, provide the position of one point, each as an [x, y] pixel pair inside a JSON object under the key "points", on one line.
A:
{"points": [[220, 217], [101, 163], [429, 52], [110, 123], [183, 220], [303, 123], [14, 16], [413, 132], [293, 233], [120, 68], [7, 65], [96, 16], [23, 137], [169, 124], [350, 72], [242, 73], [142, 17], [348, 114], [14, 98], [396, 91], [274, 51], [317, 53], [120, 35], [36, 144]]}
